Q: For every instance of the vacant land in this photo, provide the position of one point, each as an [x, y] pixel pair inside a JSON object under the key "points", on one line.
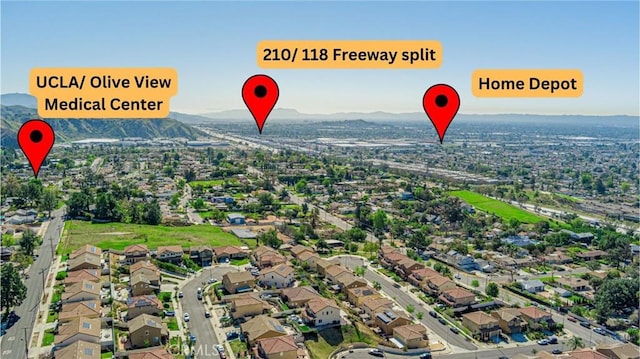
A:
{"points": [[120, 235], [500, 209]]}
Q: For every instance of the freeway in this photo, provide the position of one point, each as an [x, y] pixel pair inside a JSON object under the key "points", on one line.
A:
{"points": [[15, 343], [202, 328], [401, 297]]}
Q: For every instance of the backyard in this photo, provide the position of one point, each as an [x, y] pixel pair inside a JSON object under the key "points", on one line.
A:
{"points": [[322, 344], [120, 235]]}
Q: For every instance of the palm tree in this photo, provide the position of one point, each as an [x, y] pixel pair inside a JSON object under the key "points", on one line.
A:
{"points": [[575, 343]]}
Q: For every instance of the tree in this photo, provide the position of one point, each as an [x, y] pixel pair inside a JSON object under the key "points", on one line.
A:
{"points": [[198, 204], [190, 175], [475, 283], [615, 295], [270, 238], [410, 308], [13, 289], [492, 289], [79, 203], [28, 242], [152, 213], [379, 220], [419, 315], [575, 342], [301, 186], [371, 247], [49, 200], [376, 285]]}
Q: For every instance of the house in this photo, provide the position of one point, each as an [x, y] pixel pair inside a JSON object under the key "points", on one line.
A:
{"points": [[81, 291], [406, 266], [147, 331], [591, 255], [84, 261], [281, 276], [264, 257], [262, 327], [573, 283], [373, 305], [412, 336], [388, 320], [509, 320], [147, 268], [437, 285], [79, 350], [87, 309], [535, 317], [299, 249], [334, 271], [202, 255], [298, 296], [140, 284], [321, 311], [235, 219], [347, 281], [357, 295], [457, 297], [227, 253], [247, 307], [171, 254], [6, 253], [419, 276], [618, 350], [238, 282], [390, 260], [310, 258], [481, 325], [136, 253], [281, 347], [143, 304], [91, 275], [86, 249], [558, 258], [79, 329], [322, 265], [153, 353], [532, 286]]}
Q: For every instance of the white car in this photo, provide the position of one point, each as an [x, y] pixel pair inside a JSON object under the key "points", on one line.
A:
{"points": [[186, 317]]}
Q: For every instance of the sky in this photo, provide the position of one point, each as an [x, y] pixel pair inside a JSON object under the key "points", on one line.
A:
{"points": [[212, 45]]}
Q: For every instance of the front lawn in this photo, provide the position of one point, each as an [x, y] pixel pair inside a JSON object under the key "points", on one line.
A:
{"points": [[48, 338], [240, 262]]}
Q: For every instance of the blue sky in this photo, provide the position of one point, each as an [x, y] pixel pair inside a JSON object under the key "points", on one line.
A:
{"points": [[213, 47]]}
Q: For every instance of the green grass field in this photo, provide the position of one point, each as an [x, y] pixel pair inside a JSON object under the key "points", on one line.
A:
{"points": [[207, 184], [500, 209], [120, 235]]}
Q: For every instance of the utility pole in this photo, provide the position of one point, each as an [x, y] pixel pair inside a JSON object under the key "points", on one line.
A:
{"points": [[26, 343], [43, 271]]}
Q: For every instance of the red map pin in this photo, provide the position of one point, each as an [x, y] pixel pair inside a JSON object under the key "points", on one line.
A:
{"points": [[36, 139], [260, 94], [441, 103]]}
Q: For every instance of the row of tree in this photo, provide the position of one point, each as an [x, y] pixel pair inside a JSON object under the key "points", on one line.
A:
{"points": [[112, 206]]}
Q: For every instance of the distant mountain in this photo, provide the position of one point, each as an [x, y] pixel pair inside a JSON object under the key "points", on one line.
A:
{"points": [[77, 129], [282, 115], [18, 99]]}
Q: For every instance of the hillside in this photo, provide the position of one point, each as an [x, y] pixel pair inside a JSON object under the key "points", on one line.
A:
{"points": [[77, 129]]}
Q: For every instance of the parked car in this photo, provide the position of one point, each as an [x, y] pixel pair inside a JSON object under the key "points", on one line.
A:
{"points": [[232, 335], [207, 314], [376, 352], [556, 351], [455, 330], [180, 294], [600, 331], [186, 317], [169, 313], [442, 321], [433, 314], [552, 340], [585, 324], [543, 342], [425, 356], [572, 319]]}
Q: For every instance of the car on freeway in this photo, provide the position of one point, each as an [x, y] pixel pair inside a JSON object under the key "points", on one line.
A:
{"points": [[186, 317]]}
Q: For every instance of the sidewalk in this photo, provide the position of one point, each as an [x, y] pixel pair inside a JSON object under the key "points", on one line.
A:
{"points": [[41, 325]]}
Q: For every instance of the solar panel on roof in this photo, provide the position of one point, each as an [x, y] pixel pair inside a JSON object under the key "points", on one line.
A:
{"points": [[86, 325], [384, 318], [391, 315], [88, 351]]}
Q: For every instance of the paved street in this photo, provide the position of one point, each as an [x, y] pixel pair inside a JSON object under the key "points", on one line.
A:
{"points": [[13, 342], [201, 327], [401, 297], [480, 354]]}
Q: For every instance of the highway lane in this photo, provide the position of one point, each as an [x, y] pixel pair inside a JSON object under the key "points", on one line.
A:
{"points": [[15, 342], [401, 297], [200, 326]]}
